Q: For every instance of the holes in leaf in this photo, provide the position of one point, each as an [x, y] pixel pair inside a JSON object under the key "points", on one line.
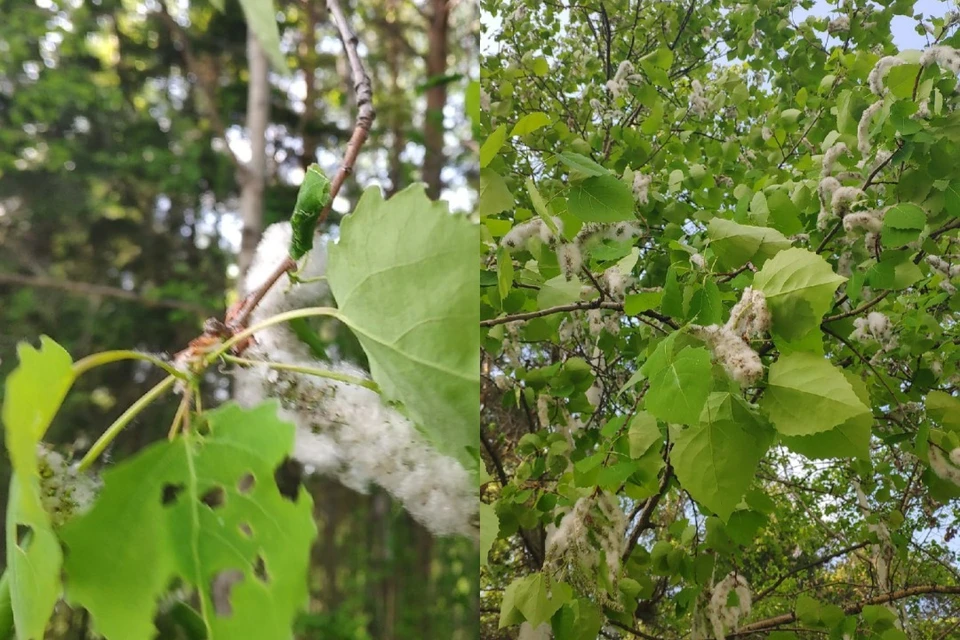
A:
{"points": [[260, 569], [170, 492], [23, 535], [220, 588], [215, 497], [246, 482], [287, 476], [245, 529]]}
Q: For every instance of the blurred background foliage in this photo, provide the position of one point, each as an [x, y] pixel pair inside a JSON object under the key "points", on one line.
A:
{"points": [[119, 228]]}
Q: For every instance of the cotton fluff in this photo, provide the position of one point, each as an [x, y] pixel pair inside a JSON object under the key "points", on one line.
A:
{"points": [[863, 127], [944, 267], [517, 237], [615, 282], [863, 222], [529, 632], [547, 236], [570, 259], [543, 410], [595, 321], [699, 262], [724, 617], [843, 199], [620, 81], [827, 187], [594, 527], [699, 104], [749, 318], [65, 491], [879, 71], [594, 394], [876, 327], [641, 187], [830, 157], [346, 430], [945, 57], [838, 25]]}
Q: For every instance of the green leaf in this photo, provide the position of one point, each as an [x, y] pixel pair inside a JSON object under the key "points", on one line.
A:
{"points": [[33, 394], [504, 271], [579, 620], [902, 224], [540, 206], [471, 98], [261, 17], [536, 597], [637, 303], [601, 199], [313, 196], [944, 408], [540, 67], [491, 146], [405, 285], [582, 164], [679, 389], [643, 433], [653, 121], [900, 80], [784, 214], [716, 459], [671, 303], [557, 291], [494, 194], [799, 287], [198, 508], [847, 440], [737, 244], [530, 123], [705, 305], [489, 529], [806, 395]]}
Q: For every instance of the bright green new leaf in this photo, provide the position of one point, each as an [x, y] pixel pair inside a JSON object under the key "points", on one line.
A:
{"points": [[494, 194], [504, 271], [32, 395], [403, 286], [471, 98], [737, 244], [536, 597], [705, 305], [491, 146], [799, 286], [902, 224], [847, 440], [679, 389], [530, 123], [642, 434], [206, 509], [489, 529], [901, 79], [944, 408], [313, 196], [653, 120], [716, 459], [540, 67], [540, 206], [557, 291], [601, 199], [636, 303], [806, 395], [261, 17], [581, 164]]}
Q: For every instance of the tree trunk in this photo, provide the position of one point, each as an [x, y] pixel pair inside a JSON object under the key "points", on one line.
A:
{"points": [[433, 160], [253, 180], [397, 119]]}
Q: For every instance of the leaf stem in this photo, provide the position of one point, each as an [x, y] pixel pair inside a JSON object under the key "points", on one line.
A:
{"points": [[80, 367], [312, 371], [114, 429], [269, 322]]}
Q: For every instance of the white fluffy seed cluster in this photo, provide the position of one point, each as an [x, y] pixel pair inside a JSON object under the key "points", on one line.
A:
{"points": [[879, 72], [839, 24], [843, 199], [876, 327], [699, 104], [830, 157], [749, 318], [595, 526], [344, 430], [946, 467], [724, 617], [948, 269], [825, 190], [861, 222], [517, 237], [945, 57], [641, 187], [65, 491], [570, 259], [863, 127], [620, 82], [615, 282], [529, 632]]}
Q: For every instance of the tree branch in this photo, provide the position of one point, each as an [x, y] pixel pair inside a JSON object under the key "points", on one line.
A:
{"points": [[854, 312], [91, 290], [851, 609], [646, 514], [575, 306]]}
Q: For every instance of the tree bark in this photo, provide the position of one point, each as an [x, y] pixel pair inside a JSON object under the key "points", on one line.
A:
{"points": [[433, 159], [254, 176], [397, 119]]}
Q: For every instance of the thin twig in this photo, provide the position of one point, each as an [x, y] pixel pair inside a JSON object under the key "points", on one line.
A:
{"points": [[575, 306], [855, 312]]}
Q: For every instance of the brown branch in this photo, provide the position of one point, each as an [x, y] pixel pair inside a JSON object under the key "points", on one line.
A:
{"points": [[636, 632], [646, 513], [575, 306], [365, 116], [88, 289], [865, 361], [851, 609], [810, 565], [854, 312]]}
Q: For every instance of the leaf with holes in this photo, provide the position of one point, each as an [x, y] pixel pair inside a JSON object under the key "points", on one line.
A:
{"points": [[715, 460], [216, 511], [405, 284], [32, 396]]}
